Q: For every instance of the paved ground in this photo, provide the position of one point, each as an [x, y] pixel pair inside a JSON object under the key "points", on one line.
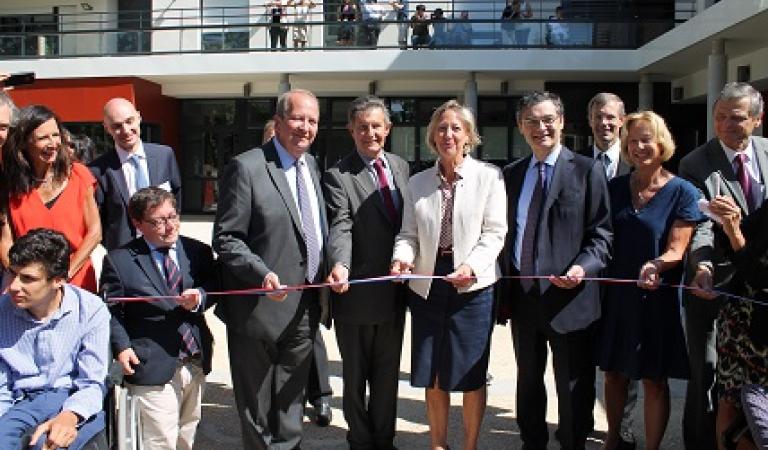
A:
{"points": [[220, 428]]}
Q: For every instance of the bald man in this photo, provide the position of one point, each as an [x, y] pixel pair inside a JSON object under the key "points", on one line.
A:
{"points": [[130, 166], [8, 113]]}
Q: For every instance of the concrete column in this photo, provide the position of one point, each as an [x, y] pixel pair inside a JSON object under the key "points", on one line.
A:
{"points": [[285, 84], [470, 93], [717, 70], [645, 93]]}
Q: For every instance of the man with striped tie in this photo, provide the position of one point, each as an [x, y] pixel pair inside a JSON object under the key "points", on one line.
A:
{"points": [[161, 341]]}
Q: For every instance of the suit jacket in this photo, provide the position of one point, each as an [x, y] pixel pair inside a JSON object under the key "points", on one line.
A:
{"points": [[621, 169], [112, 190], [361, 236], [708, 168], [479, 224], [575, 228], [257, 231], [152, 328]]}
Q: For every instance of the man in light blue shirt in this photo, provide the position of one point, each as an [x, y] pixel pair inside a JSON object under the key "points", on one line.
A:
{"points": [[53, 350]]}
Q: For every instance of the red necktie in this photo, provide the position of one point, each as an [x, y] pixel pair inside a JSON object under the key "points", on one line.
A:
{"points": [[745, 181], [173, 279], [386, 192]]}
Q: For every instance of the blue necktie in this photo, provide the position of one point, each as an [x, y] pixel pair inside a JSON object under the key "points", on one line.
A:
{"points": [[307, 222], [528, 246], [140, 177]]}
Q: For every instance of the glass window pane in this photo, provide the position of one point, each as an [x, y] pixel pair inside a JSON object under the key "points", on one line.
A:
{"points": [[402, 110], [494, 143], [495, 111], [403, 142], [520, 148], [259, 112], [426, 108], [339, 111], [425, 153]]}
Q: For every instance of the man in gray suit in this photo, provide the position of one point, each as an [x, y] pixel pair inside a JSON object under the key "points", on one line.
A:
{"points": [[365, 192], [735, 164], [606, 114], [269, 232]]}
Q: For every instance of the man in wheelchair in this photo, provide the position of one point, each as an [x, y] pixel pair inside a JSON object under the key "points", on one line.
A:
{"points": [[54, 352]]}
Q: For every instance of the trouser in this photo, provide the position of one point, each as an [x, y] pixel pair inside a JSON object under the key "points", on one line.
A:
{"points": [[171, 412], [36, 408], [278, 33], [318, 384], [371, 358], [700, 396]]}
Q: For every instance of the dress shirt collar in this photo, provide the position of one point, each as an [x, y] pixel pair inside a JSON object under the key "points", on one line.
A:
{"points": [[125, 154], [550, 160], [65, 307], [613, 152], [731, 153], [458, 170], [154, 248], [286, 159], [369, 161]]}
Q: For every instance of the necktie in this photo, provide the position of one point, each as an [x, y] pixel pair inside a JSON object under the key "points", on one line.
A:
{"points": [[173, 279], [386, 192], [307, 222], [140, 177], [606, 160], [528, 246], [745, 181]]}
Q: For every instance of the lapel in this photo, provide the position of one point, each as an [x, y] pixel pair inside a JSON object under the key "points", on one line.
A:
{"points": [[719, 162], [186, 274], [314, 172], [143, 258], [761, 153], [515, 186], [275, 170], [115, 171], [434, 203], [364, 181], [153, 165], [561, 169]]}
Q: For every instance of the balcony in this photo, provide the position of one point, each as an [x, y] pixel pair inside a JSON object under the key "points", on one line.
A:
{"points": [[467, 24]]}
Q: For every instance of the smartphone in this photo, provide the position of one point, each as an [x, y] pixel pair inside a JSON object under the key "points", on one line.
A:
{"points": [[17, 79]]}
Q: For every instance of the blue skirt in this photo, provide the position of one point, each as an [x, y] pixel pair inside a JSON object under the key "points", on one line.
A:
{"points": [[450, 335]]}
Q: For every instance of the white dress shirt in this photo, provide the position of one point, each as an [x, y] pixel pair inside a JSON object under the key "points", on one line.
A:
{"points": [[753, 170], [128, 170], [614, 155]]}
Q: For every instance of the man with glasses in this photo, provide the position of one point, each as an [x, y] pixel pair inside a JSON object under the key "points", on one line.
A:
{"points": [[130, 166], [163, 345], [560, 229]]}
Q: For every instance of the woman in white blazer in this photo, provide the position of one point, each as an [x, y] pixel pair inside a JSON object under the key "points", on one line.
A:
{"points": [[454, 226]]}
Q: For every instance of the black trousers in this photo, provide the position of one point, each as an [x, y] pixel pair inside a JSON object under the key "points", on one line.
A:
{"points": [[319, 384], [371, 356], [574, 368], [269, 379], [278, 33]]}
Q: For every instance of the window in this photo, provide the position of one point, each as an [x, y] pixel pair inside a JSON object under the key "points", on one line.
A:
{"points": [[227, 14], [29, 34]]}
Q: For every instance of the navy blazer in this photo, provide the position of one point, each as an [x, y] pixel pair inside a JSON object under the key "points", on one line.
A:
{"points": [[152, 328], [575, 228], [112, 190]]}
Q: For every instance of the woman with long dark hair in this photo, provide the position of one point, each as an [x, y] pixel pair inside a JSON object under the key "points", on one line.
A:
{"points": [[46, 189]]}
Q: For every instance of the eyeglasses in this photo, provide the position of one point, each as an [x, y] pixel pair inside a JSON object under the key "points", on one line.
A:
{"points": [[159, 222], [537, 122]]}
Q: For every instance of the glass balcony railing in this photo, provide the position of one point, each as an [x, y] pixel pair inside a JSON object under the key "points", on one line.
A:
{"points": [[454, 24]]}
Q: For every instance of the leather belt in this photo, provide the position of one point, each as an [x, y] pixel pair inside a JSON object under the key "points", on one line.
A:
{"points": [[442, 252]]}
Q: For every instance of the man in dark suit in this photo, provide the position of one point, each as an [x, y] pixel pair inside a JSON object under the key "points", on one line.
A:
{"points": [[715, 169], [269, 231], [606, 114], [130, 166], [560, 227], [164, 346], [365, 192]]}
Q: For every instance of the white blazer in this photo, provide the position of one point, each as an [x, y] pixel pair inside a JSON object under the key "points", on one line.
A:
{"points": [[479, 224]]}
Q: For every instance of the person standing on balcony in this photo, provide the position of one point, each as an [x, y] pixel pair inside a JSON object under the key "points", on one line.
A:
{"points": [[373, 13], [130, 166], [420, 26], [347, 17], [301, 10], [278, 30], [513, 32]]}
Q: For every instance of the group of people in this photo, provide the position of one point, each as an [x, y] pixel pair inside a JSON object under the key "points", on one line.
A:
{"points": [[476, 245]]}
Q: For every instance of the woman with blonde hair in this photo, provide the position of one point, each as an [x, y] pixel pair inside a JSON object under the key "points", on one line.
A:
{"points": [[454, 227], [654, 213]]}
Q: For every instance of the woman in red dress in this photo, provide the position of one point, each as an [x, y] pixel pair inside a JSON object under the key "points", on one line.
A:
{"points": [[46, 190]]}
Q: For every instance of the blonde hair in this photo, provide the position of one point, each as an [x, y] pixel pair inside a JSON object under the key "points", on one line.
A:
{"points": [[466, 116], [659, 129]]}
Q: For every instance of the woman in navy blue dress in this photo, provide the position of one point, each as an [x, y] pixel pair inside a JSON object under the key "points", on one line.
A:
{"points": [[654, 214]]}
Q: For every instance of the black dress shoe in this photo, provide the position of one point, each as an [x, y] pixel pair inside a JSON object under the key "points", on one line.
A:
{"points": [[626, 445], [323, 414]]}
